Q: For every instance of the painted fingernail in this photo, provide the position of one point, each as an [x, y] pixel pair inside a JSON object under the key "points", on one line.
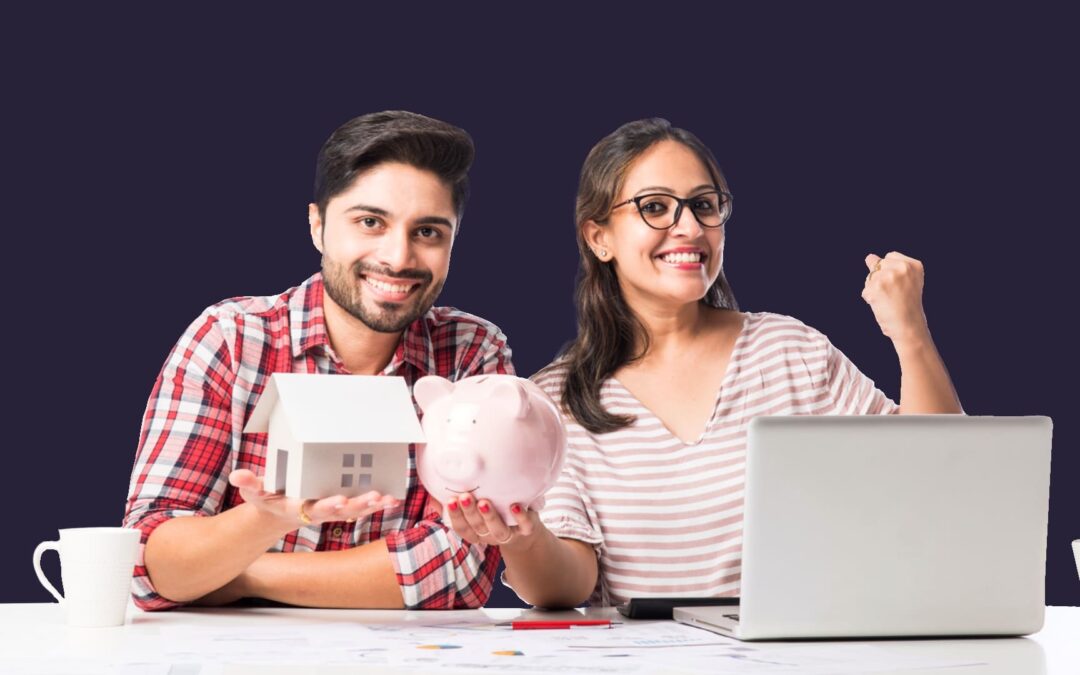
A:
{"points": [[484, 508], [514, 508], [465, 501], [452, 506]]}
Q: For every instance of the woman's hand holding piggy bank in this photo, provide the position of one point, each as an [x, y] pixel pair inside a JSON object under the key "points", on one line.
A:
{"points": [[497, 436]]}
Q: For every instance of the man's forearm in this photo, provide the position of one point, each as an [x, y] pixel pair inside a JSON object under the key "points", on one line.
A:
{"points": [[553, 573], [358, 578], [188, 557]]}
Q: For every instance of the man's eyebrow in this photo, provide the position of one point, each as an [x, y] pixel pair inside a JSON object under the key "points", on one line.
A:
{"points": [[703, 186], [423, 220], [370, 209], [434, 220]]}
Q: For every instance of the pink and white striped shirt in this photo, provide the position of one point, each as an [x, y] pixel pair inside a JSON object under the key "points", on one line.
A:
{"points": [[664, 516]]}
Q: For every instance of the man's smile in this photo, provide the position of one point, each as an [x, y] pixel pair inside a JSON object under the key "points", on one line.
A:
{"points": [[390, 289]]}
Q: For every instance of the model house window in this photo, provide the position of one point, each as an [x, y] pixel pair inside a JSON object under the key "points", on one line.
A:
{"points": [[348, 461]]}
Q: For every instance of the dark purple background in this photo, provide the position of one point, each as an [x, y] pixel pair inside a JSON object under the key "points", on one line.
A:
{"points": [[158, 162]]}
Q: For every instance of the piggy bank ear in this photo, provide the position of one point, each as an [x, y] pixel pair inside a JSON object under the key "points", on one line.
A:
{"points": [[511, 397], [430, 389]]}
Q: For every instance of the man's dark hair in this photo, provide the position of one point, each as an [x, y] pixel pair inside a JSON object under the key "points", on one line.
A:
{"points": [[394, 136]]}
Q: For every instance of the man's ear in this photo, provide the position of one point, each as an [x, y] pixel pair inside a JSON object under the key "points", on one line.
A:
{"points": [[596, 236], [316, 224]]}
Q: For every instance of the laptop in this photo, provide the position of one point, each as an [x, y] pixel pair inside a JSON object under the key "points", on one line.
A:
{"points": [[890, 526]]}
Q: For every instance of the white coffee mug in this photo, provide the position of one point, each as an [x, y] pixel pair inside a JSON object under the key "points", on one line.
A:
{"points": [[96, 566]]}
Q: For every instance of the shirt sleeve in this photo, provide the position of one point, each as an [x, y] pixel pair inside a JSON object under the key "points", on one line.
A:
{"points": [[568, 513], [435, 568], [487, 353], [852, 392], [184, 444], [568, 510]]}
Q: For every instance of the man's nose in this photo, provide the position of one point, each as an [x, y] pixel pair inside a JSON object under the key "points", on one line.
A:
{"points": [[396, 250]]}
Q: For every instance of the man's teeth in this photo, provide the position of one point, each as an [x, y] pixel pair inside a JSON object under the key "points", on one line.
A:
{"points": [[389, 288], [681, 257]]}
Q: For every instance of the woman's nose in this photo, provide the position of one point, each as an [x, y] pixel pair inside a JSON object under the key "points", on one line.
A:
{"points": [[686, 224]]}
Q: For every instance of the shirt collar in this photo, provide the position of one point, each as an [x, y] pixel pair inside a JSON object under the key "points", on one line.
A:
{"points": [[415, 347], [308, 330], [307, 325]]}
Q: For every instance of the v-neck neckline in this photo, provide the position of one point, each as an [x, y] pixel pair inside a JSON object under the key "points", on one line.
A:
{"points": [[729, 374]]}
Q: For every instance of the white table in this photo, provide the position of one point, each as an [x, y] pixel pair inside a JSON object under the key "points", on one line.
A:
{"points": [[34, 638]]}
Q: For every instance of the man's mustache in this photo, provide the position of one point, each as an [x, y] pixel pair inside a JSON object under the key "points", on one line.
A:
{"points": [[365, 268]]}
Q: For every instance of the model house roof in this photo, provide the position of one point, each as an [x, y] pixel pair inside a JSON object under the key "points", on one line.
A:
{"points": [[339, 408]]}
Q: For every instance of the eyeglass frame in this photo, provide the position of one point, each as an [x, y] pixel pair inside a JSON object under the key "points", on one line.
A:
{"points": [[678, 209]]}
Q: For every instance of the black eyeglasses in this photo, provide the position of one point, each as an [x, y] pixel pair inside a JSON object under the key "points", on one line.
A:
{"points": [[710, 209]]}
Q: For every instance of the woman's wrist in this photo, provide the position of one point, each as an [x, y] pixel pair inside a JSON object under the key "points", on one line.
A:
{"points": [[521, 544], [914, 342]]}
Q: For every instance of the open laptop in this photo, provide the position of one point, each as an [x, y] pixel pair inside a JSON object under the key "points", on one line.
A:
{"points": [[890, 526]]}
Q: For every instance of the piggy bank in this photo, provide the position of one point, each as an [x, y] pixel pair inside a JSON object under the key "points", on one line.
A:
{"points": [[496, 436]]}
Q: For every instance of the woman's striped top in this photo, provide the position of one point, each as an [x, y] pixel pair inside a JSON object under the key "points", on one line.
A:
{"points": [[664, 516]]}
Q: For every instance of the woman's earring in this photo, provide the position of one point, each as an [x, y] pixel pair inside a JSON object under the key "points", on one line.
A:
{"points": [[602, 254]]}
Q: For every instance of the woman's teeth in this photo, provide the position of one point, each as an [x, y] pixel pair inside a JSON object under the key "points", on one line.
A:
{"points": [[681, 257]]}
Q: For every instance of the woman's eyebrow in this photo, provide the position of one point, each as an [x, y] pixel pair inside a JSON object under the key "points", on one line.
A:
{"points": [[653, 188], [661, 188]]}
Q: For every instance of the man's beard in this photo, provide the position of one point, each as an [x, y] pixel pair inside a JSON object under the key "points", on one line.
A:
{"points": [[342, 284]]}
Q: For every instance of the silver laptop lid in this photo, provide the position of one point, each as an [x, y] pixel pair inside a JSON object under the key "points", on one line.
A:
{"points": [[895, 525]]}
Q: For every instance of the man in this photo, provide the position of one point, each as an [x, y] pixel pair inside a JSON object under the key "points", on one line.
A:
{"points": [[390, 190]]}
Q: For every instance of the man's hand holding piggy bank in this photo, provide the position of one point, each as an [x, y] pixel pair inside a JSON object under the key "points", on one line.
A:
{"points": [[496, 436]]}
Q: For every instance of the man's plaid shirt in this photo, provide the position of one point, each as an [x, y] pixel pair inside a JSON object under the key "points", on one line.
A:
{"points": [[191, 435]]}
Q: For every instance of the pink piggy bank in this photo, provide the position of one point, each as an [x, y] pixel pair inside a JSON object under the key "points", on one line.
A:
{"points": [[497, 436]]}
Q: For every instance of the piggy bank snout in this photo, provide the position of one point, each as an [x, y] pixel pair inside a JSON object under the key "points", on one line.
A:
{"points": [[458, 466]]}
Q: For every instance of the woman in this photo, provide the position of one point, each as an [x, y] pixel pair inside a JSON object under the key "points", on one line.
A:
{"points": [[663, 379]]}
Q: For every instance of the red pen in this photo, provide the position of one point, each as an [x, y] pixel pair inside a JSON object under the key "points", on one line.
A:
{"points": [[547, 625]]}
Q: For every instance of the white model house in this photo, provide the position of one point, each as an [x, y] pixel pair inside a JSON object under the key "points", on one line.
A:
{"points": [[336, 434]]}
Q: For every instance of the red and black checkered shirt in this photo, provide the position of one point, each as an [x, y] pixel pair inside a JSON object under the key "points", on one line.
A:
{"points": [[192, 435]]}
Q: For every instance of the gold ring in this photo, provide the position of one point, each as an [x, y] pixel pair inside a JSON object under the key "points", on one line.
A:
{"points": [[304, 517], [877, 266], [509, 536]]}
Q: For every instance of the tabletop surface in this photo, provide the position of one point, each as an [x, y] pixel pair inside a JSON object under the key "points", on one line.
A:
{"points": [[205, 641]]}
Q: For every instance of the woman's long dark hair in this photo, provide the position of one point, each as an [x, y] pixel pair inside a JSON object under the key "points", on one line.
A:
{"points": [[609, 333]]}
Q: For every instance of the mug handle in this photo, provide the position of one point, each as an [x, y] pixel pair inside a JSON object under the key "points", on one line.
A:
{"points": [[41, 548]]}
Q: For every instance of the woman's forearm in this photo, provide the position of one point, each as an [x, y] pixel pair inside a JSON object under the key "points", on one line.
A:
{"points": [[551, 572], [925, 386]]}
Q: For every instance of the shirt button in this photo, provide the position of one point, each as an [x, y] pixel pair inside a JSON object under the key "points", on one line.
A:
{"points": [[337, 531]]}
